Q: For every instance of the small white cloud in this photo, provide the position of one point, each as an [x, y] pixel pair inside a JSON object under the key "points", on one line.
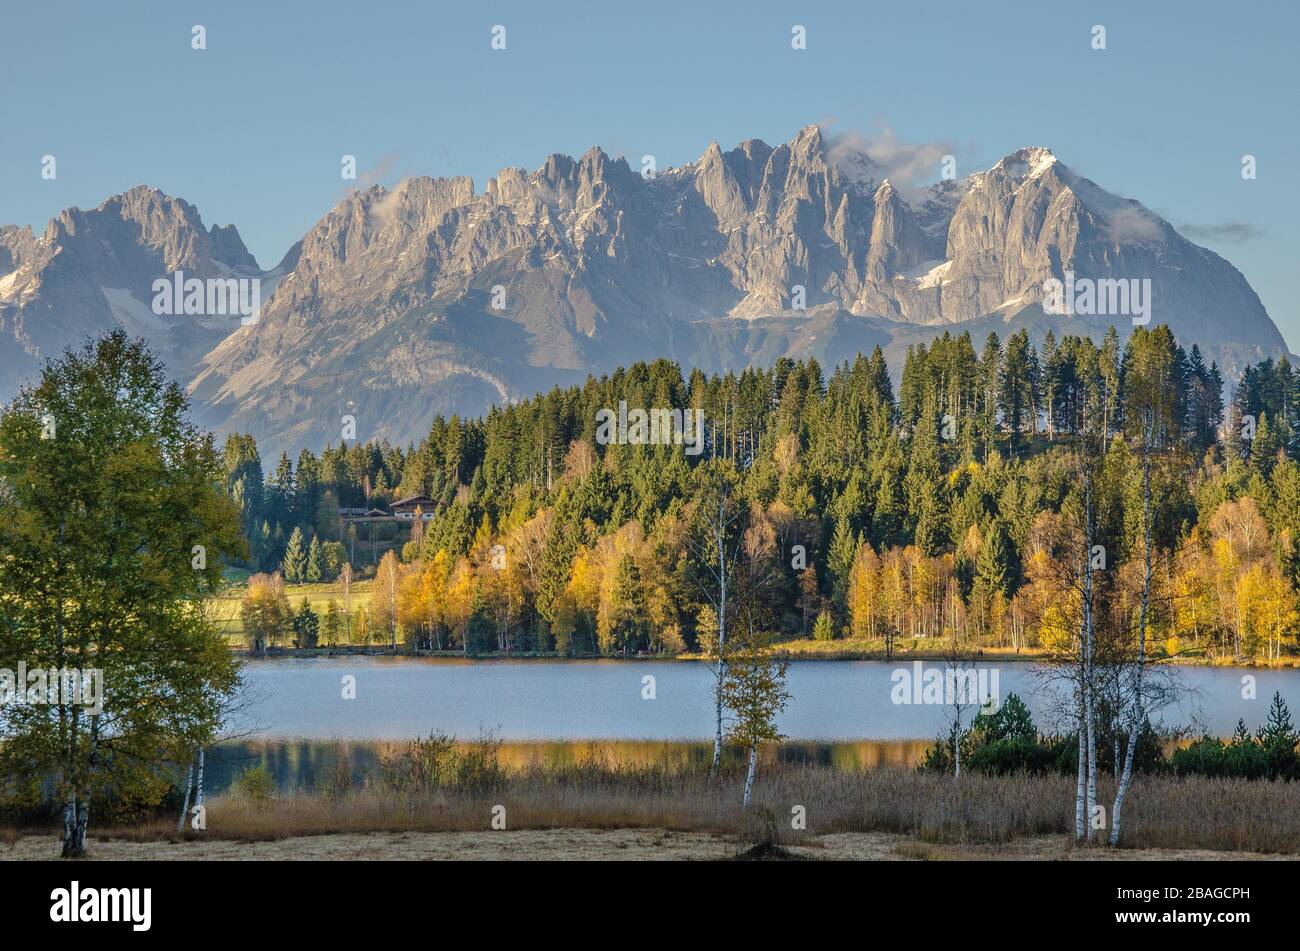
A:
{"points": [[1233, 232], [864, 157], [1132, 224]]}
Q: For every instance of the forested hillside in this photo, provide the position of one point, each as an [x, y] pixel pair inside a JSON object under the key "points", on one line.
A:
{"points": [[851, 511]]}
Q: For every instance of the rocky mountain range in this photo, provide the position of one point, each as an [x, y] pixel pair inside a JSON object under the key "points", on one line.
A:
{"points": [[434, 298], [93, 270]]}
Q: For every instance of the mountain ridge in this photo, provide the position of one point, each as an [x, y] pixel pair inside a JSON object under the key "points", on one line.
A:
{"points": [[430, 297]]}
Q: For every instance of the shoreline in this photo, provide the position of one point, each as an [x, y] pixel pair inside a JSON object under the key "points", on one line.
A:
{"points": [[930, 655]]}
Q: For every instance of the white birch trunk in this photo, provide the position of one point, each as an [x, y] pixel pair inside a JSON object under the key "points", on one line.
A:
{"points": [[1090, 706], [76, 815], [1136, 723], [69, 826], [956, 748], [749, 777], [83, 819], [198, 794], [1080, 820], [722, 636], [185, 804], [1091, 807], [1086, 788]]}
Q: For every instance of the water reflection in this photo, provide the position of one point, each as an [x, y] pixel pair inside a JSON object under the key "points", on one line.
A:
{"points": [[314, 764]]}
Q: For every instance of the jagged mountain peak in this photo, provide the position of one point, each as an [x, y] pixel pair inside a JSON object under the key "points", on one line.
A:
{"points": [[162, 221], [96, 269], [229, 248], [809, 142], [431, 297], [1027, 162]]}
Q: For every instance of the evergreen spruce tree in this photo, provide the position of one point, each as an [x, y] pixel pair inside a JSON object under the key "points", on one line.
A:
{"points": [[843, 547], [1278, 738], [991, 568], [306, 626], [295, 559], [1263, 451], [266, 553], [922, 487], [331, 624], [630, 625], [314, 565]]}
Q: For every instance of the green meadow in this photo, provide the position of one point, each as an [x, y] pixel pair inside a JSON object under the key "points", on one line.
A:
{"points": [[224, 608]]}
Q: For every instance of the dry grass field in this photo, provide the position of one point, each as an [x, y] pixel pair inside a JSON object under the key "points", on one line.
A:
{"points": [[598, 812], [586, 844]]}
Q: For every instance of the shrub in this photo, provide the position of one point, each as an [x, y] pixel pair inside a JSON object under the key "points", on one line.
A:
{"points": [[1016, 755], [1006, 741], [256, 782], [1011, 721], [438, 762], [1270, 754]]}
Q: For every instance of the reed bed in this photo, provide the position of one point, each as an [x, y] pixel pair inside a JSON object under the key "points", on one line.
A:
{"points": [[1161, 812]]}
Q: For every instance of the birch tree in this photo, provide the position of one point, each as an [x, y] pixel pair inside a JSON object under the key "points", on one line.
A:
{"points": [[388, 578], [736, 550], [185, 802], [716, 548], [198, 792], [753, 689], [1087, 665], [107, 496], [961, 697], [346, 576], [1063, 560], [1150, 410], [1092, 555]]}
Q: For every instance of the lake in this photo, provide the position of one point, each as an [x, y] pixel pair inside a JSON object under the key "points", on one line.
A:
{"points": [[539, 700], [297, 721]]}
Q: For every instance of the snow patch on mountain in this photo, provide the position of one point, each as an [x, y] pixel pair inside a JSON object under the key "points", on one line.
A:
{"points": [[133, 314], [934, 277]]}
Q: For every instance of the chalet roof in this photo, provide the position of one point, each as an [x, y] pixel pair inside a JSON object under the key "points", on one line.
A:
{"points": [[411, 500]]}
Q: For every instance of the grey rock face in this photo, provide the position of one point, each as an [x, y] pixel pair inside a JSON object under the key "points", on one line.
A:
{"points": [[93, 270], [430, 297]]}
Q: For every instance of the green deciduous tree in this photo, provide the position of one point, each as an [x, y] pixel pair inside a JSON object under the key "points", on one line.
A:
{"points": [[753, 690], [113, 528], [265, 612]]}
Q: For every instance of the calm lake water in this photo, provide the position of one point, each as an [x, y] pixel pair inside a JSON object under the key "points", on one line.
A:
{"points": [[298, 722], [539, 700]]}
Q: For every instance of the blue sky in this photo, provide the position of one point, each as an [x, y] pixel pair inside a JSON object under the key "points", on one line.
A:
{"points": [[251, 130]]}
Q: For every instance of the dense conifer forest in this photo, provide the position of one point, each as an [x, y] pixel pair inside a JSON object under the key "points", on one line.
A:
{"points": [[853, 512]]}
